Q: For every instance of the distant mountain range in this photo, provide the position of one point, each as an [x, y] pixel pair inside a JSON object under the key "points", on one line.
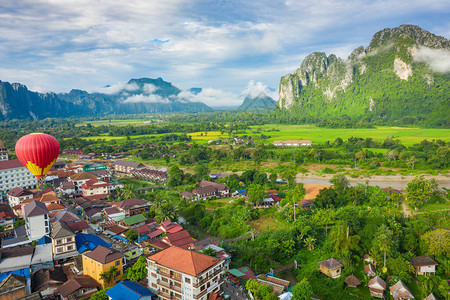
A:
{"points": [[260, 102], [402, 75], [142, 95]]}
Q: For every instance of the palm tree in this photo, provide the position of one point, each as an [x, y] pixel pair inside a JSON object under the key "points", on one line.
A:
{"points": [[158, 202], [128, 192], [109, 276], [165, 212]]}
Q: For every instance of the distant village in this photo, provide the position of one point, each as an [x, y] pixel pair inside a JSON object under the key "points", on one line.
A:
{"points": [[70, 240]]}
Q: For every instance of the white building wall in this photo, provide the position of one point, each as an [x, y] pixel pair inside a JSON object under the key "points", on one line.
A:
{"points": [[427, 269], [38, 226], [16, 177]]}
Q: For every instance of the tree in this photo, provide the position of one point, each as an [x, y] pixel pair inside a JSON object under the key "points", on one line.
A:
{"points": [[109, 276], [201, 171], [137, 271], [166, 212], [252, 285], [324, 217], [383, 241], [255, 193], [100, 295], [128, 191], [175, 176], [302, 290], [209, 251], [296, 194], [131, 235], [263, 291], [340, 183], [437, 241], [419, 190]]}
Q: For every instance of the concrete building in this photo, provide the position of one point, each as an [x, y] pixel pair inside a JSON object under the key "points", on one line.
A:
{"points": [[100, 260], [176, 273], [123, 166], [63, 241], [17, 195], [3, 152], [37, 220], [14, 174]]}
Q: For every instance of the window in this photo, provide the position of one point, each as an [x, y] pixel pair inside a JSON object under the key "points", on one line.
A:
{"points": [[58, 242], [117, 262], [187, 280], [118, 273], [154, 285], [69, 240], [69, 248], [46, 217], [59, 249]]}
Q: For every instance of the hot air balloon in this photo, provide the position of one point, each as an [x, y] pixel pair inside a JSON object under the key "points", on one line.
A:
{"points": [[37, 152]]}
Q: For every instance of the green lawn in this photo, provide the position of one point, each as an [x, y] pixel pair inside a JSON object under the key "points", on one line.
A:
{"points": [[408, 136], [117, 122], [435, 207]]}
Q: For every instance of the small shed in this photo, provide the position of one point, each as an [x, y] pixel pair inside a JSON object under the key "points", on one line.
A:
{"points": [[400, 291], [376, 287], [352, 281], [370, 270], [331, 267]]}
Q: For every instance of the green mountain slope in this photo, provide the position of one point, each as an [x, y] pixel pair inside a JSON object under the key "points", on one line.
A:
{"points": [[397, 77], [260, 102]]}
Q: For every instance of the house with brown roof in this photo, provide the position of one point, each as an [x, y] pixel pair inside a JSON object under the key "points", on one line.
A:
{"points": [[79, 226], [331, 267], [13, 287], [352, 281], [17, 195], [63, 241], [424, 265], [95, 186], [205, 192], [400, 291], [100, 260], [133, 206], [222, 189], [376, 287], [79, 287], [37, 220], [123, 166], [306, 204], [46, 281], [81, 178], [370, 270], [184, 274], [67, 188]]}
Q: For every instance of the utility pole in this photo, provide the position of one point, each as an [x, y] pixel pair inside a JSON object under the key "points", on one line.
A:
{"points": [[294, 212]]}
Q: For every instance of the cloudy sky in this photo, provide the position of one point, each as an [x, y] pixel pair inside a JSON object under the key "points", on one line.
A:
{"points": [[229, 48]]}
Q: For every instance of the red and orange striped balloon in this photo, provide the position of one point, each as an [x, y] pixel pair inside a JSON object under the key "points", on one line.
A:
{"points": [[37, 152]]}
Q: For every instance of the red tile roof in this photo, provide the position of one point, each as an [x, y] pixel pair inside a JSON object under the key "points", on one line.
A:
{"points": [[184, 261], [128, 203], [7, 215], [55, 206], [155, 233], [78, 226], [19, 192]]}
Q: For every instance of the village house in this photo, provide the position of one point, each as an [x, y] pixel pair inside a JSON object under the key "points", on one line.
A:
{"points": [[148, 174], [204, 192], [46, 281], [3, 152], [95, 186], [80, 178], [13, 287], [352, 281], [113, 213], [67, 188], [306, 204], [376, 287], [331, 267], [370, 270], [100, 260], [123, 166], [63, 241], [134, 221], [184, 274], [169, 227], [14, 174], [7, 220], [424, 265], [133, 206], [222, 189], [79, 287], [17, 195], [400, 291], [180, 239], [74, 167], [300, 143], [37, 220]]}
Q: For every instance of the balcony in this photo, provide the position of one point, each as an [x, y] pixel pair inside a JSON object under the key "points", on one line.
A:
{"points": [[169, 286], [209, 277], [167, 296], [167, 275]]}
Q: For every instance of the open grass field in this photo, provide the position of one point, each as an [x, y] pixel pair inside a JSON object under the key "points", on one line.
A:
{"points": [[407, 136]]}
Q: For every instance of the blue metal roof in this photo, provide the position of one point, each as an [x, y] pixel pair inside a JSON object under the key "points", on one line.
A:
{"points": [[44, 240], [129, 290], [22, 272], [86, 242]]}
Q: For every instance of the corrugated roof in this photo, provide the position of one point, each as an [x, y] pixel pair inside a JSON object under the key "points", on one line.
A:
{"points": [[134, 219], [75, 284], [126, 289], [10, 164]]}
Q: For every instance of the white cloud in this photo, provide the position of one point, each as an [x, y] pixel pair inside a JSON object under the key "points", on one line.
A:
{"points": [[213, 97], [152, 98], [115, 88], [149, 88], [437, 59], [255, 89]]}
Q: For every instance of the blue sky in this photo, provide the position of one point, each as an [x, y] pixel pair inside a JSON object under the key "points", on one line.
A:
{"points": [[229, 48]]}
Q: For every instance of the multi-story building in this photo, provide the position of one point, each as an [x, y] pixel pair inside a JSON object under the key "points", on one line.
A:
{"points": [[176, 273], [14, 174], [100, 260], [81, 178], [95, 186], [63, 241], [17, 195], [127, 167], [3, 152], [37, 220]]}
